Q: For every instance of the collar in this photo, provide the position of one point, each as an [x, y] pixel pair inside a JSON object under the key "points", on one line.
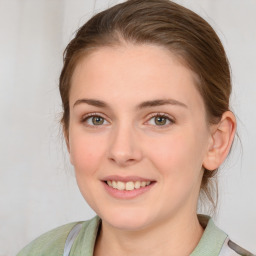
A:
{"points": [[210, 243], [212, 239]]}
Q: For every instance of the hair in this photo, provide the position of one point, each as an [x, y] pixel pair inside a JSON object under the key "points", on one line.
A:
{"points": [[166, 24]]}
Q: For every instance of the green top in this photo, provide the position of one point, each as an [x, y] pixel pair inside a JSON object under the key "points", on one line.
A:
{"points": [[214, 241]]}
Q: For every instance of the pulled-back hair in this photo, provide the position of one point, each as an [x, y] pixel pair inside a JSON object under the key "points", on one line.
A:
{"points": [[169, 25]]}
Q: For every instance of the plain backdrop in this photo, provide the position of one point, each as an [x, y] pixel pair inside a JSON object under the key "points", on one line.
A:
{"points": [[37, 187]]}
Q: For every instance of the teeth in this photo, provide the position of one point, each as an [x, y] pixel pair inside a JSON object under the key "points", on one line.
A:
{"points": [[130, 185], [114, 184], [137, 184], [143, 183], [120, 185]]}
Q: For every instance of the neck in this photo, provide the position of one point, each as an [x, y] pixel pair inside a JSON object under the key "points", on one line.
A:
{"points": [[167, 238]]}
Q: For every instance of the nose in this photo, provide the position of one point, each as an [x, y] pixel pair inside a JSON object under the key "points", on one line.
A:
{"points": [[124, 148]]}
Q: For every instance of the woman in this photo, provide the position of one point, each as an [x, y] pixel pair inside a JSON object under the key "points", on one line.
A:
{"points": [[145, 89]]}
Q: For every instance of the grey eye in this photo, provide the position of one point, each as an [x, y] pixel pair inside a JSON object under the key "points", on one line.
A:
{"points": [[97, 120], [160, 120]]}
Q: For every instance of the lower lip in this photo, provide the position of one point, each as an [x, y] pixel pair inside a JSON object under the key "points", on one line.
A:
{"points": [[127, 194]]}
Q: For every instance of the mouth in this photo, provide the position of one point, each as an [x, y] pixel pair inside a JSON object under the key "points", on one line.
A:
{"points": [[128, 186]]}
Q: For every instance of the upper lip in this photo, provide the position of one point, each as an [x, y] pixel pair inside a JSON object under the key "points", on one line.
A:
{"points": [[125, 179]]}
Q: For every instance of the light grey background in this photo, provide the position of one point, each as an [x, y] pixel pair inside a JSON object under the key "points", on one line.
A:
{"points": [[38, 190]]}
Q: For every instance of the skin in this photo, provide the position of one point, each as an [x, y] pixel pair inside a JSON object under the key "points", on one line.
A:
{"points": [[130, 142]]}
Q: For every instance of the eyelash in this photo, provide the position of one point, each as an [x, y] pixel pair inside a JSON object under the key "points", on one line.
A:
{"points": [[166, 116]]}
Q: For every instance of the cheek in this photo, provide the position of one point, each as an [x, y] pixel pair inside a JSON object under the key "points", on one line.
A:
{"points": [[178, 160], [169, 150], [86, 152], [178, 155]]}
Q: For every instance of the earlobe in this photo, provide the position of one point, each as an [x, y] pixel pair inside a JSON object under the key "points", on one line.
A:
{"points": [[67, 143], [66, 136], [221, 140]]}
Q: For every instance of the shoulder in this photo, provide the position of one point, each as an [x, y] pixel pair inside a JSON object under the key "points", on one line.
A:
{"points": [[51, 243], [232, 249], [214, 241]]}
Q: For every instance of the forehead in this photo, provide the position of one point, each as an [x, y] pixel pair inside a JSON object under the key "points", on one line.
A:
{"points": [[133, 72]]}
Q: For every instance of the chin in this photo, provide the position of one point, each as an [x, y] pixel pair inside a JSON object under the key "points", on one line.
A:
{"points": [[129, 220]]}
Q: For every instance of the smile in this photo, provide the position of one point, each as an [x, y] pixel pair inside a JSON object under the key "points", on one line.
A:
{"points": [[130, 185]]}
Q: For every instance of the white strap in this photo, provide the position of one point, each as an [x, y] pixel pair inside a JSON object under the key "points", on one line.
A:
{"points": [[71, 238], [231, 249]]}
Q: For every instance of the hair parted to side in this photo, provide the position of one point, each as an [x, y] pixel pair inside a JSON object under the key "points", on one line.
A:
{"points": [[169, 25]]}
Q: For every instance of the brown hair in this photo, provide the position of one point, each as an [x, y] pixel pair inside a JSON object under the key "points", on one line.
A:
{"points": [[169, 25]]}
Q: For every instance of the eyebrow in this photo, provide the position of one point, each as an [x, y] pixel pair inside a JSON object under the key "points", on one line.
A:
{"points": [[145, 104]]}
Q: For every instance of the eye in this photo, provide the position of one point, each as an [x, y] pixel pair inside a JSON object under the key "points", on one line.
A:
{"points": [[160, 120], [94, 119]]}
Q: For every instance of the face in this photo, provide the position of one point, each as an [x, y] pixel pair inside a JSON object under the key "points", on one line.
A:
{"points": [[138, 135]]}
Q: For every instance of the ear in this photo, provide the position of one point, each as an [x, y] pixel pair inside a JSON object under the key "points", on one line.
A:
{"points": [[222, 135], [66, 136]]}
